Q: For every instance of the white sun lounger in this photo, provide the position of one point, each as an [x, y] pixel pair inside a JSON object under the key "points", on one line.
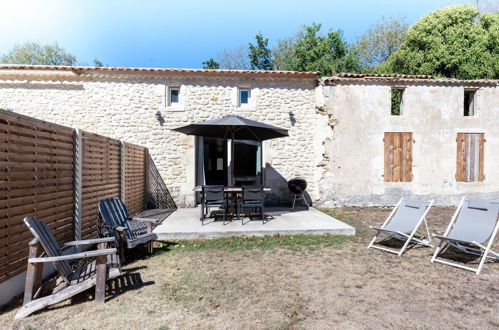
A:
{"points": [[403, 223], [472, 230]]}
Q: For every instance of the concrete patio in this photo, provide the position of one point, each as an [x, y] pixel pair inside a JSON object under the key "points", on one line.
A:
{"points": [[185, 224]]}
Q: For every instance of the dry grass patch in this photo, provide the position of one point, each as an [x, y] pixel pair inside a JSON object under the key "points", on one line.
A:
{"points": [[285, 282]]}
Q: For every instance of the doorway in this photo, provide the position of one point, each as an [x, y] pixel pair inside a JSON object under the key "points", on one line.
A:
{"points": [[214, 161]]}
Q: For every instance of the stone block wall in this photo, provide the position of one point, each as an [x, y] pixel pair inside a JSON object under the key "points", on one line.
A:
{"points": [[125, 107]]}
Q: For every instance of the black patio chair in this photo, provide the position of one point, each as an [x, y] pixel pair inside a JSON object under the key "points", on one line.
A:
{"points": [[251, 198], [213, 196]]}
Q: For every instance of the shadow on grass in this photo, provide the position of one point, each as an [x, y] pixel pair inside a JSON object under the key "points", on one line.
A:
{"points": [[129, 280], [451, 253]]}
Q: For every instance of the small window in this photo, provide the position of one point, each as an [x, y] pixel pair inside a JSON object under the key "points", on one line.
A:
{"points": [[396, 103], [469, 103], [173, 95], [244, 96], [398, 157], [469, 166]]}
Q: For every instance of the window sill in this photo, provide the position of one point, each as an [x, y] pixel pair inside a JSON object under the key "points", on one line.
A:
{"points": [[246, 108], [175, 109]]}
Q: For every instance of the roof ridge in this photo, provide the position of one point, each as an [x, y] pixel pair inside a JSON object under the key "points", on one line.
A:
{"points": [[155, 70]]}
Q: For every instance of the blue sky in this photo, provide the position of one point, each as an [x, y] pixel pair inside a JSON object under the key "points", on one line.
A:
{"points": [[183, 34]]}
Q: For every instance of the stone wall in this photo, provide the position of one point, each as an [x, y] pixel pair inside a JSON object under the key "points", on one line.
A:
{"points": [[359, 116], [336, 137], [124, 107]]}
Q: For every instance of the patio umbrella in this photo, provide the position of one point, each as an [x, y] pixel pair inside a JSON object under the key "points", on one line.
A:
{"points": [[235, 128]]}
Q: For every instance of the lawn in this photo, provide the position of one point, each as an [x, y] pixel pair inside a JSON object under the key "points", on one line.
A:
{"points": [[284, 282]]}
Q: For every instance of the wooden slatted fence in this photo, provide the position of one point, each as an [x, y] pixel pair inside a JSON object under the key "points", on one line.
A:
{"points": [[134, 168], [36, 179], [100, 177]]}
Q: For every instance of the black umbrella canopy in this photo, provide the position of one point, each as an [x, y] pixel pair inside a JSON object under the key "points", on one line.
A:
{"points": [[234, 127]]}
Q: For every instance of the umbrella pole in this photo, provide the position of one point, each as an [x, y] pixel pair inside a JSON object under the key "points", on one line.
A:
{"points": [[233, 160]]}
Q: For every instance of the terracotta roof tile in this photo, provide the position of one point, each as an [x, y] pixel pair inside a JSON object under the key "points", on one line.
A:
{"points": [[404, 79], [85, 69]]}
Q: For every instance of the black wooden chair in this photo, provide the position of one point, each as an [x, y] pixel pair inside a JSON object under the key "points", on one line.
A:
{"points": [[71, 280], [115, 221], [213, 196], [252, 197]]}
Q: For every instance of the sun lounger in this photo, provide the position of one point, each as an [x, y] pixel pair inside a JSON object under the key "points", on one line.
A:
{"points": [[472, 230], [403, 223]]}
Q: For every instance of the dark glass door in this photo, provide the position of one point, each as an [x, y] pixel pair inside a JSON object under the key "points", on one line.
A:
{"points": [[211, 161], [247, 162]]}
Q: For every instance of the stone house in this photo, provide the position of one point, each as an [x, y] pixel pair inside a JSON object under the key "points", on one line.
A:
{"points": [[356, 139]]}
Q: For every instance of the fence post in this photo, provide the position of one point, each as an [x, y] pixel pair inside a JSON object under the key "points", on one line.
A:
{"points": [[78, 161], [146, 176], [122, 171]]}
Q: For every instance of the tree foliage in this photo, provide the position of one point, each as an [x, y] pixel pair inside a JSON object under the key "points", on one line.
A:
{"points": [[211, 64], [327, 54], [34, 53], [283, 53], [260, 54], [235, 59], [380, 41], [97, 63], [455, 42]]}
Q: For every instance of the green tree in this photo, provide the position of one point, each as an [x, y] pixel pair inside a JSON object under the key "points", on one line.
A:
{"points": [[380, 41], [34, 53], [283, 53], [327, 54], [97, 63], [455, 42], [260, 54], [211, 64]]}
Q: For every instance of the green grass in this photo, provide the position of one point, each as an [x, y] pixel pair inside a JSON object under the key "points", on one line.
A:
{"points": [[292, 242]]}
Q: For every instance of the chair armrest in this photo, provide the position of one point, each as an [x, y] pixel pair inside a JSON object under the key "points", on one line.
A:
{"points": [[88, 241], [118, 228], [144, 220], [80, 255]]}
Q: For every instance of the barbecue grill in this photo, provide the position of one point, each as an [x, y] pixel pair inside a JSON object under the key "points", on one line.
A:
{"points": [[297, 186]]}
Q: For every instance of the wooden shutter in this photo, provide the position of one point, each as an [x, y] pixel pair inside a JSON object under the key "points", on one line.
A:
{"points": [[398, 157], [470, 157]]}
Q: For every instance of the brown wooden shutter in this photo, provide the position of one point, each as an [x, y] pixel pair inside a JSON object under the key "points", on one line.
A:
{"points": [[398, 157], [481, 143], [461, 158], [470, 157], [389, 157]]}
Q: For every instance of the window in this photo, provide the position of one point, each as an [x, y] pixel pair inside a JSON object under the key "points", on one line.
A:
{"points": [[244, 96], [469, 103], [173, 95], [397, 101], [469, 165], [398, 157]]}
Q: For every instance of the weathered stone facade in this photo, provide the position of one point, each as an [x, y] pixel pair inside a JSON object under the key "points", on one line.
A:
{"points": [[125, 106], [336, 125], [359, 110]]}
